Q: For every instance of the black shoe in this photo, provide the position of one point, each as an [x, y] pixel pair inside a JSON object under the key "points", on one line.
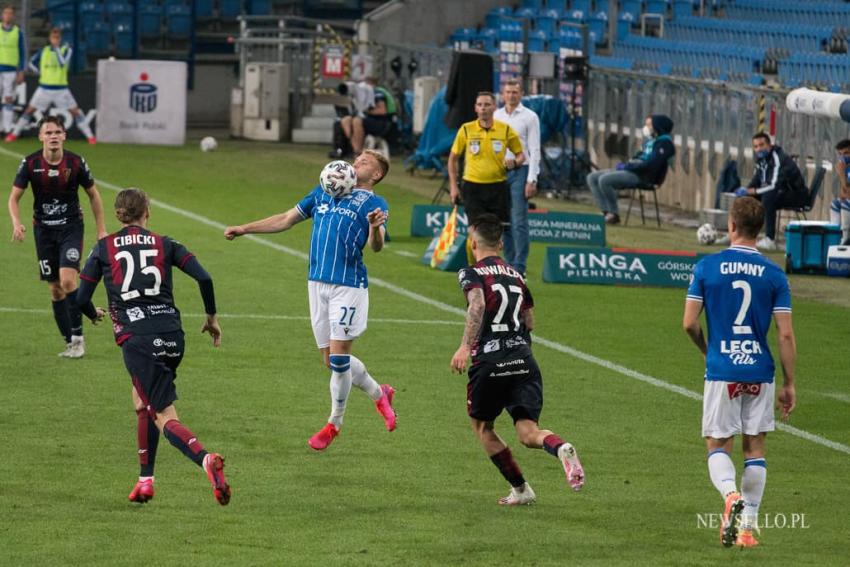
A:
{"points": [[612, 218]]}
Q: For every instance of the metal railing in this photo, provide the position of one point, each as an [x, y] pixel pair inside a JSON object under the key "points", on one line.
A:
{"points": [[713, 122]]}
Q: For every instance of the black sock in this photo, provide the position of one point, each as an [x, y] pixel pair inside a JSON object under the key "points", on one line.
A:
{"points": [[181, 437], [148, 439], [74, 313], [509, 468], [63, 319]]}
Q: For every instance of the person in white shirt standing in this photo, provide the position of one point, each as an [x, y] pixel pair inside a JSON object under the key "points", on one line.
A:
{"points": [[522, 179]]}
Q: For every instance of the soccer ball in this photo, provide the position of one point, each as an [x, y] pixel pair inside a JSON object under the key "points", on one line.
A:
{"points": [[706, 234], [338, 178], [208, 144]]}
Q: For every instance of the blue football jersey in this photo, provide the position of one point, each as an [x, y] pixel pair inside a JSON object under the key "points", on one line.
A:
{"points": [[340, 231], [740, 290]]}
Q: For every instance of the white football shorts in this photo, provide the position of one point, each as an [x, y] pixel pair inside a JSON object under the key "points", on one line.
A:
{"points": [[60, 98], [729, 408], [337, 312], [8, 88]]}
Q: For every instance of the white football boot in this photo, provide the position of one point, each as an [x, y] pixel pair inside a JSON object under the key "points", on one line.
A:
{"points": [[519, 496]]}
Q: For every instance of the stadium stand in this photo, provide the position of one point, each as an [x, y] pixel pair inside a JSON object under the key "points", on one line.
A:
{"points": [[740, 41]]}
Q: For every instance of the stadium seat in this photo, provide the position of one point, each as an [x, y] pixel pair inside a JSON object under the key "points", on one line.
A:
{"points": [[229, 9], [120, 14], [123, 41], [657, 7], [178, 22], [537, 40], [96, 36], [150, 20], [91, 11], [259, 7], [682, 8], [203, 9]]}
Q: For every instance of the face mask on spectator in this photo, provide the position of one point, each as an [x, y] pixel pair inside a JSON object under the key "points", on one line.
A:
{"points": [[846, 159], [647, 131], [762, 154]]}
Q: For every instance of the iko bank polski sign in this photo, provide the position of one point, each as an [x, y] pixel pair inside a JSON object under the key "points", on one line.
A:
{"points": [[544, 226], [623, 266], [141, 101]]}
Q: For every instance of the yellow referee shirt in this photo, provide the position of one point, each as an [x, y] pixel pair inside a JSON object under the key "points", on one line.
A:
{"points": [[484, 149]]}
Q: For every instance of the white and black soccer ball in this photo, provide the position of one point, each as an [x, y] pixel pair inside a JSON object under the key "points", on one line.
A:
{"points": [[706, 234], [338, 178], [208, 144]]}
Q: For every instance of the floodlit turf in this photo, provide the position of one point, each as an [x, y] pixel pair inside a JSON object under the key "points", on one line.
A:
{"points": [[425, 494]]}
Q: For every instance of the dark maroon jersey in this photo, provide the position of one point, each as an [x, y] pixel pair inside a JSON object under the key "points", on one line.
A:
{"points": [[54, 187], [135, 265], [503, 332]]}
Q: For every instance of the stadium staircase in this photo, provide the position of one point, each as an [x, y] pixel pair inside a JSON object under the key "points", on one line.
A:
{"points": [[739, 41]]}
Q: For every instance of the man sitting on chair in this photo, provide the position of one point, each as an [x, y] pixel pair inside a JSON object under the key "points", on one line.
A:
{"points": [[649, 166], [777, 182]]}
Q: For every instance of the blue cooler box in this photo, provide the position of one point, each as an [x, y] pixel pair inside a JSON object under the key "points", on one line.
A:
{"points": [[838, 262], [807, 245]]}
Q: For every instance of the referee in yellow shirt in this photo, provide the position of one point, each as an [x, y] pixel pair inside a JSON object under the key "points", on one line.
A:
{"points": [[483, 143]]}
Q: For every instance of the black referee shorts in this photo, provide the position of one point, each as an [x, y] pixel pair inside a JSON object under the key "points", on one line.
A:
{"points": [[58, 247], [480, 198], [514, 385], [152, 362]]}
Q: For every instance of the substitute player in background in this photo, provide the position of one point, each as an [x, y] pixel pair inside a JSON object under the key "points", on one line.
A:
{"points": [[337, 284], [52, 64], [55, 175], [741, 290], [504, 374], [12, 57], [135, 264]]}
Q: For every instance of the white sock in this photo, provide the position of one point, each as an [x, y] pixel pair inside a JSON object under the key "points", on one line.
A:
{"points": [[83, 125], [752, 489], [361, 378], [144, 478], [721, 469], [21, 124], [8, 117], [845, 220], [340, 387]]}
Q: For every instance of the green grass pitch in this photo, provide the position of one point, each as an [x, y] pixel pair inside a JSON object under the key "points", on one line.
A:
{"points": [[425, 494]]}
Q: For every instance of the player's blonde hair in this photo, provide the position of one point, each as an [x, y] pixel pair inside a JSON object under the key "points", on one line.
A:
{"points": [[748, 215], [131, 205], [382, 160]]}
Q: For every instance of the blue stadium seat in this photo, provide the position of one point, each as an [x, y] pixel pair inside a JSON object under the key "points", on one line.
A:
{"points": [[96, 36], [546, 22], [120, 14], [537, 40], [203, 9], [123, 41], [597, 28], [535, 4], [657, 7], [630, 11], [229, 9], [178, 22], [262, 7], [150, 20], [683, 8], [91, 11]]}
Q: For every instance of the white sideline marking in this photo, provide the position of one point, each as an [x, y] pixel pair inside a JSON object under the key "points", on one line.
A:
{"points": [[406, 253], [607, 364], [265, 317], [836, 396]]}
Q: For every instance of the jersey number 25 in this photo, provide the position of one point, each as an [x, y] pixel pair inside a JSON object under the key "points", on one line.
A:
{"points": [[144, 255]]}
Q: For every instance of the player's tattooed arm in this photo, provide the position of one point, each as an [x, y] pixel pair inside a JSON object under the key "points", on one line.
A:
{"points": [[474, 320], [276, 223]]}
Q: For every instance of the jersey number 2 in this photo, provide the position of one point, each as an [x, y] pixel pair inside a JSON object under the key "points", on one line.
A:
{"points": [[738, 327], [497, 326], [144, 255]]}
